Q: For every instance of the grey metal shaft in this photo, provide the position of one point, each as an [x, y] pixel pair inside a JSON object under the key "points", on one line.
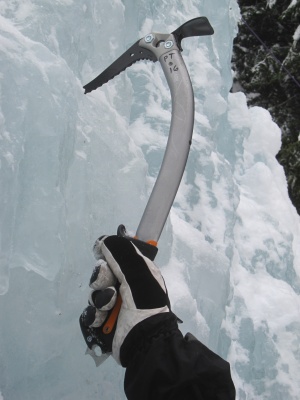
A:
{"points": [[177, 150]]}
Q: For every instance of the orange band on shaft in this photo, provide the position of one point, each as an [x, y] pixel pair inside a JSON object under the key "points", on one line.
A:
{"points": [[110, 323], [152, 242]]}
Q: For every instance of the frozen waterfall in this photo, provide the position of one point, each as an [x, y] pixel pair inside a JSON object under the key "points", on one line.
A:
{"points": [[73, 167]]}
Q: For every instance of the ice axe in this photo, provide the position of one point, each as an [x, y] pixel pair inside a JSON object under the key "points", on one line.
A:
{"points": [[165, 48]]}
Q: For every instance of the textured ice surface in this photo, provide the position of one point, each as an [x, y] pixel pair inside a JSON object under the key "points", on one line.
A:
{"points": [[74, 167]]}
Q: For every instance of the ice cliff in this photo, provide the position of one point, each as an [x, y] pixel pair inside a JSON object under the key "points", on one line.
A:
{"points": [[73, 167]]}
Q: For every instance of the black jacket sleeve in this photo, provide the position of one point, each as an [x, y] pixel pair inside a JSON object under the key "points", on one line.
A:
{"points": [[161, 364]]}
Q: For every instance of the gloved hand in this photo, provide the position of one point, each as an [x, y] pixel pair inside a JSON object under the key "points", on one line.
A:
{"points": [[122, 268]]}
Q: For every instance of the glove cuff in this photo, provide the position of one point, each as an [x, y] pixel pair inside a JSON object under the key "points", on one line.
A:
{"points": [[141, 336]]}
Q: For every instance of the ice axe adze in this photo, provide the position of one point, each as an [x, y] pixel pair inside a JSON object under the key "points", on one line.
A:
{"points": [[165, 48]]}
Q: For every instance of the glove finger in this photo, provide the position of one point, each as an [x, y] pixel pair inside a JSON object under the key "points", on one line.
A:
{"points": [[103, 300], [102, 276], [93, 318]]}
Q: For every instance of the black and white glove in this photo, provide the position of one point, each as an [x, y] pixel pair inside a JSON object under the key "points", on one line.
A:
{"points": [[123, 269]]}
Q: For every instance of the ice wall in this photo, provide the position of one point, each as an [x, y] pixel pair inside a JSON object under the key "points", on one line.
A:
{"points": [[74, 167]]}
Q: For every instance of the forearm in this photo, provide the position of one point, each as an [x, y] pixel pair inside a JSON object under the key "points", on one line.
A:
{"points": [[168, 366]]}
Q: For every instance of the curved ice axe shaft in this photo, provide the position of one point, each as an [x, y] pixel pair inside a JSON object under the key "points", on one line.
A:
{"points": [[178, 145]]}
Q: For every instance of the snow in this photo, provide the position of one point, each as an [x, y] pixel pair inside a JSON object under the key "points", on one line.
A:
{"points": [[73, 167], [271, 3], [296, 35], [293, 3]]}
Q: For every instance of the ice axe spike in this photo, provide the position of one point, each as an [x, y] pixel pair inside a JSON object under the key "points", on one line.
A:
{"points": [[165, 48]]}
